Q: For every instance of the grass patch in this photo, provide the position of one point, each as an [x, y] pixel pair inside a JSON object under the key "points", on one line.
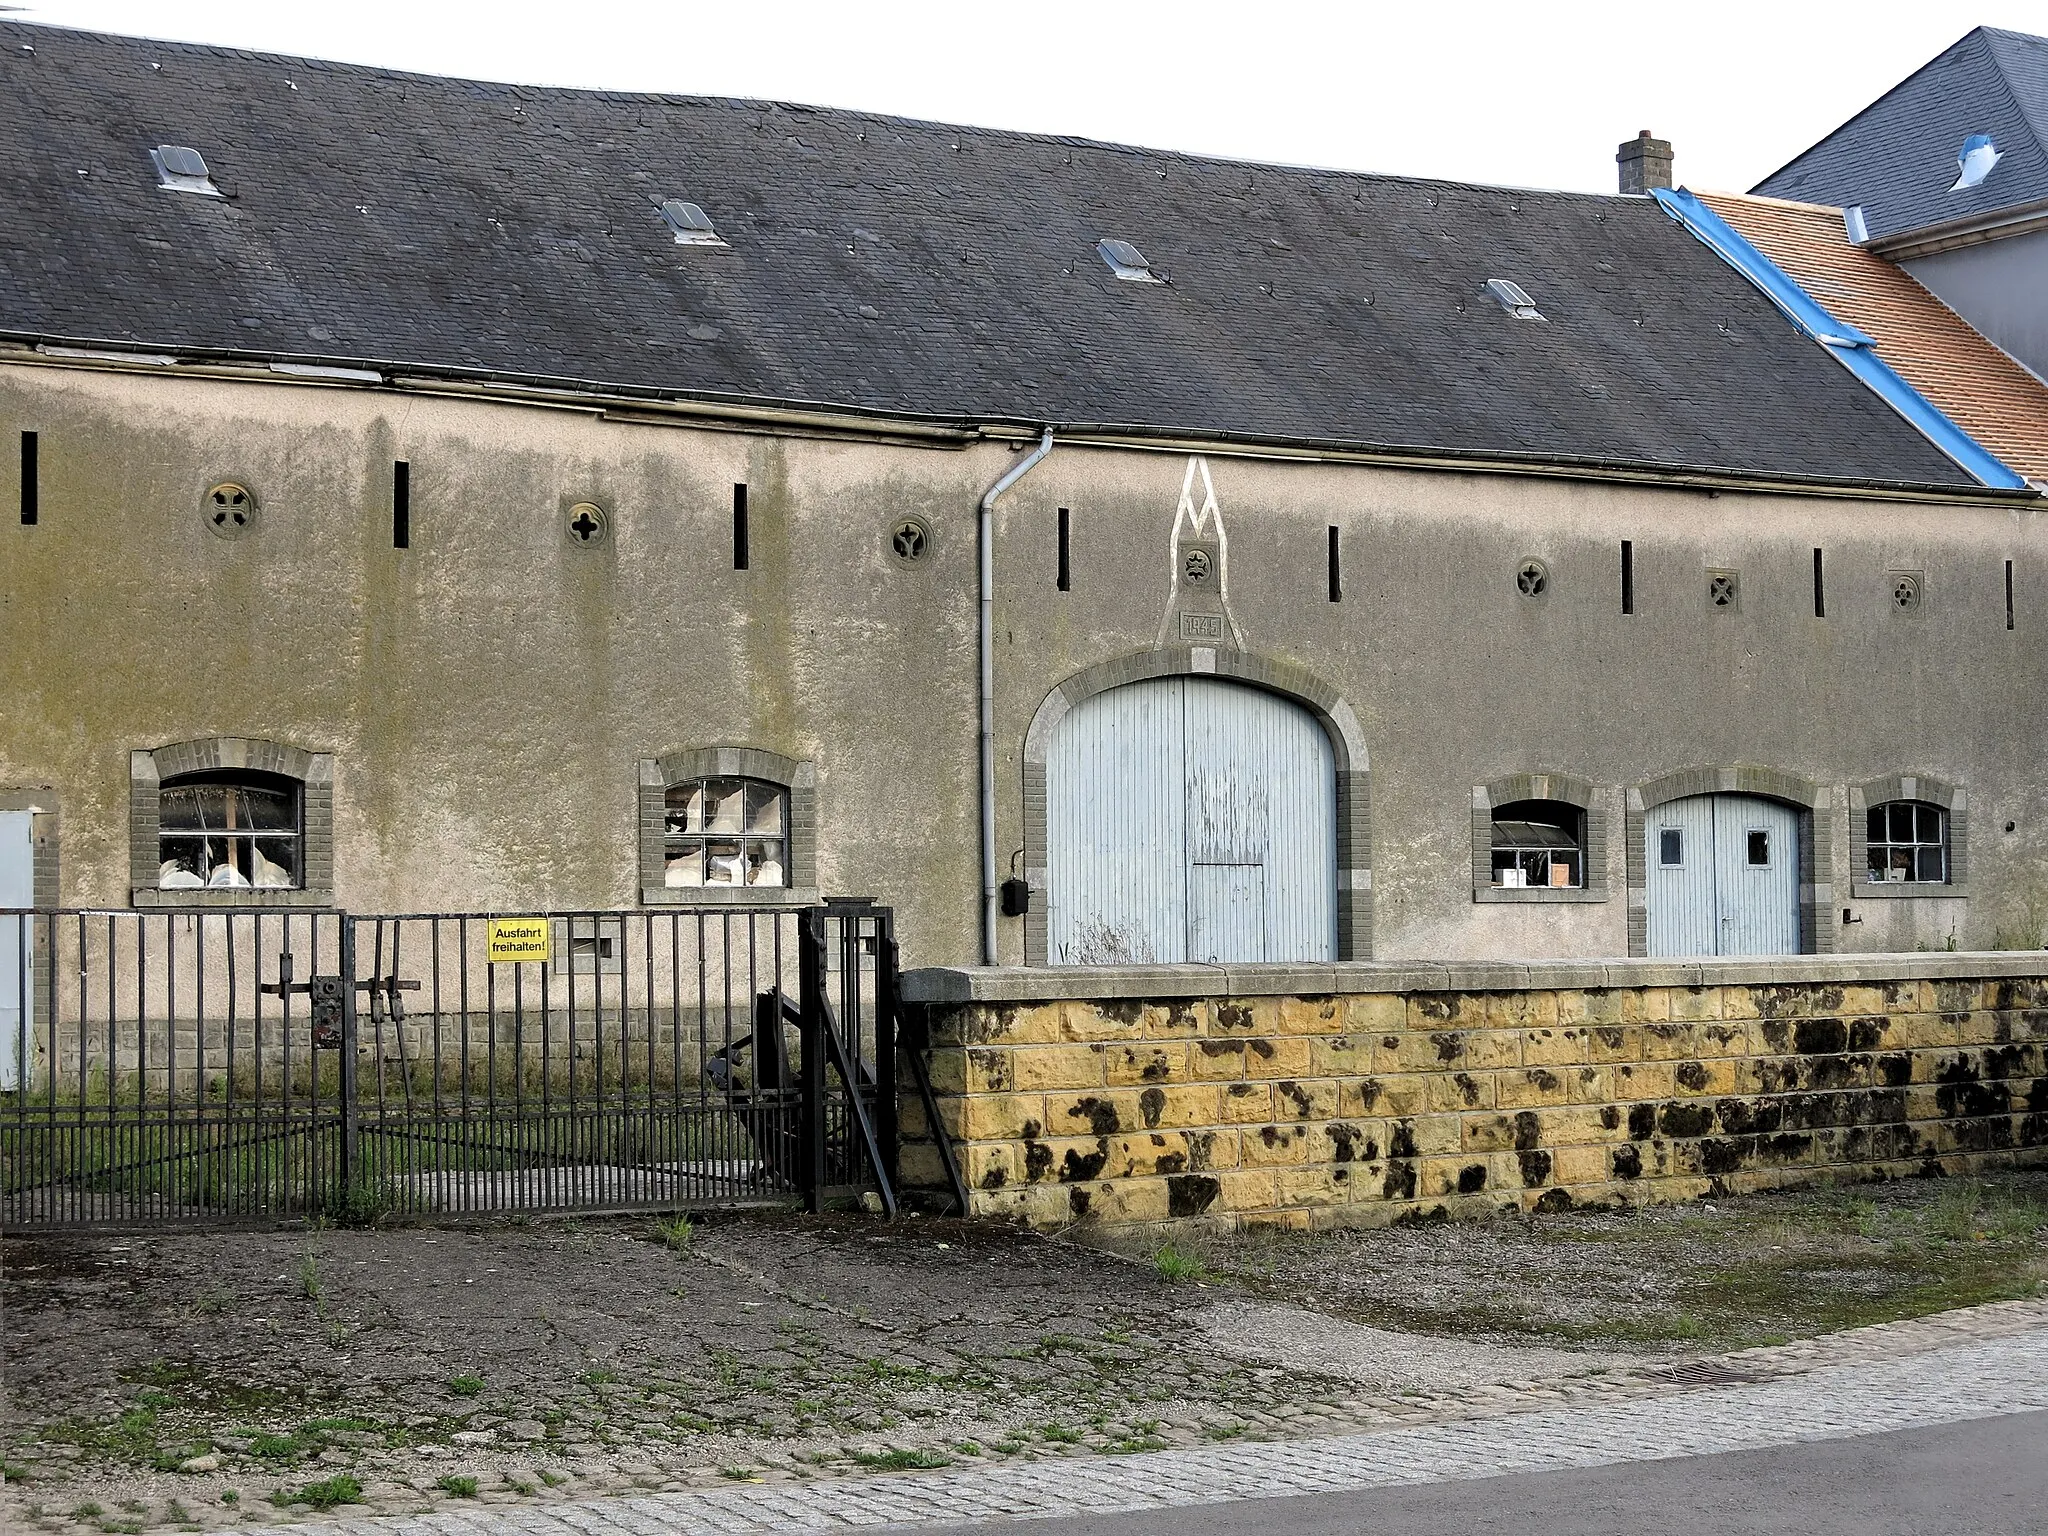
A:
{"points": [[741, 1474], [465, 1386], [1059, 1434], [1178, 1265], [1745, 1272], [458, 1485], [900, 1460], [552, 1479], [325, 1494], [676, 1233]]}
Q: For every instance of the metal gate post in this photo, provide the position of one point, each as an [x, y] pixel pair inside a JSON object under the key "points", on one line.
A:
{"points": [[887, 1032], [811, 1035], [349, 1122]]}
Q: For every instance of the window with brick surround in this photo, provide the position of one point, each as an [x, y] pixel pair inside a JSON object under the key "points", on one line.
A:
{"points": [[230, 821], [727, 825]]}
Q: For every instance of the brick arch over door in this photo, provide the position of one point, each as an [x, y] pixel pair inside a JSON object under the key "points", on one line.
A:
{"points": [[1814, 804], [1294, 684]]}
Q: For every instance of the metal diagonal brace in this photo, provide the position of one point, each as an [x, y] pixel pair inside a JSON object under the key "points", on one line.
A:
{"points": [[837, 1050]]}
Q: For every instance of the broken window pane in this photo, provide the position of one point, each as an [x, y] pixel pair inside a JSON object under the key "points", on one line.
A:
{"points": [[1908, 843], [229, 831], [725, 833]]}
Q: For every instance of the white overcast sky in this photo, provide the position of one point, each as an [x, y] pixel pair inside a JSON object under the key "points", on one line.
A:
{"points": [[1527, 94]]}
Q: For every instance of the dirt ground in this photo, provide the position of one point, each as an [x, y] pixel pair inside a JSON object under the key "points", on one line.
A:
{"points": [[192, 1381]]}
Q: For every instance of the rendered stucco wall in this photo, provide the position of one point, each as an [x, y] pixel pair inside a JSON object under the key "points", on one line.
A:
{"points": [[489, 693]]}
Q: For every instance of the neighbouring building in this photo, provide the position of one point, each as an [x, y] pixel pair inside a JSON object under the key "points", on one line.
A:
{"points": [[424, 494], [1947, 174]]}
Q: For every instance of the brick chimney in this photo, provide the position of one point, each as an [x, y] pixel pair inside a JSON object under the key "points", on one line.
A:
{"points": [[1645, 163]]}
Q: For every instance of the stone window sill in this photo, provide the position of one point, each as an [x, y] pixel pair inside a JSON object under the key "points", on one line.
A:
{"points": [[1906, 890], [151, 898], [714, 898], [1536, 893]]}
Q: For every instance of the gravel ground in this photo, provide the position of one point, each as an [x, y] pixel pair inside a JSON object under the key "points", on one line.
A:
{"points": [[193, 1381]]}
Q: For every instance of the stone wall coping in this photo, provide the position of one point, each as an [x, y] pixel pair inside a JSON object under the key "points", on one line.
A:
{"points": [[1018, 984]]}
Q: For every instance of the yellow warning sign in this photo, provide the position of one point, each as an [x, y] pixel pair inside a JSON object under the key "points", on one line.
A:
{"points": [[513, 939]]}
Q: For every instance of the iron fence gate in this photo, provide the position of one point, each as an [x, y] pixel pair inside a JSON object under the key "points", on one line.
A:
{"points": [[240, 1066]]}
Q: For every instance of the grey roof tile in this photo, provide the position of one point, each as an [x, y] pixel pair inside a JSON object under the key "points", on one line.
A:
{"points": [[889, 266]]}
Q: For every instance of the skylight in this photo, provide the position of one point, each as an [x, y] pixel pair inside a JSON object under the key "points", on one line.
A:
{"points": [[692, 225], [1513, 299], [179, 169], [1126, 261]]}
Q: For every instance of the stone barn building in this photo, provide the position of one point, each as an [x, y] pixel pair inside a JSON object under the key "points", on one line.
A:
{"points": [[431, 495]]}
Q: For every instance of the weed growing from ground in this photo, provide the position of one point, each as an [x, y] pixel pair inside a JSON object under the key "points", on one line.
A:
{"points": [[1177, 1266], [459, 1486], [676, 1233], [338, 1489], [465, 1386], [740, 1474], [900, 1460], [552, 1479]]}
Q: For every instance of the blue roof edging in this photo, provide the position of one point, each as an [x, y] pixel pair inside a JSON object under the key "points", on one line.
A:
{"points": [[1849, 346]]}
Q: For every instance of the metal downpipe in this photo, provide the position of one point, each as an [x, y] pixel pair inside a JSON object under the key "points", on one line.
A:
{"points": [[987, 637]]}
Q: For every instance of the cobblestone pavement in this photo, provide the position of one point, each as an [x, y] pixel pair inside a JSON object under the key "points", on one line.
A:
{"points": [[1973, 1364]]}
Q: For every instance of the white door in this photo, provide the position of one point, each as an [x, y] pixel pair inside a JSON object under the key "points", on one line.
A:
{"points": [[1190, 819], [1721, 877], [17, 942]]}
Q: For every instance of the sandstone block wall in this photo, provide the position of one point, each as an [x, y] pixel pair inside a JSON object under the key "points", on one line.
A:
{"points": [[1373, 1107]]}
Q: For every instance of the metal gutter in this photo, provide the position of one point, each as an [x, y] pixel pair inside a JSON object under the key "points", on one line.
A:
{"points": [[710, 412], [986, 636], [1954, 234], [1845, 343]]}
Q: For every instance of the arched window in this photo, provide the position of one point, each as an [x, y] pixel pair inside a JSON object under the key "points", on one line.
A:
{"points": [[1539, 837], [733, 826], [230, 830], [1906, 842], [230, 821], [725, 832], [1539, 845]]}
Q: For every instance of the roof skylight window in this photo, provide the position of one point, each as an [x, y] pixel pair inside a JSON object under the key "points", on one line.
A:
{"points": [[179, 169], [1513, 298], [692, 225], [1126, 261]]}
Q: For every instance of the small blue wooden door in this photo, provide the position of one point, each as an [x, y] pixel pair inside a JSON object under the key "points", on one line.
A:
{"points": [[1721, 877], [1189, 818], [17, 942]]}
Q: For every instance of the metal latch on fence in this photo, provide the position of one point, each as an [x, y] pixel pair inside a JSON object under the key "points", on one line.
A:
{"points": [[325, 994]]}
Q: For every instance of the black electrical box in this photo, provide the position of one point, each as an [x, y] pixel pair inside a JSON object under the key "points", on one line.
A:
{"points": [[1016, 897]]}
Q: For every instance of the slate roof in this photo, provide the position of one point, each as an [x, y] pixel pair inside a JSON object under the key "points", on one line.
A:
{"points": [[1973, 383], [1897, 157], [886, 266]]}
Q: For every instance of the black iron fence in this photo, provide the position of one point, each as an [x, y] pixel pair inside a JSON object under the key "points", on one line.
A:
{"points": [[242, 1066]]}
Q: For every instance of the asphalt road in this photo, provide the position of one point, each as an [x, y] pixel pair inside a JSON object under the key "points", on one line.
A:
{"points": [[1987, 1477]]}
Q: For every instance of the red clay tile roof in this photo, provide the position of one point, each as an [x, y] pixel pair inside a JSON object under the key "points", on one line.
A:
{"points": [[1981, 390]]}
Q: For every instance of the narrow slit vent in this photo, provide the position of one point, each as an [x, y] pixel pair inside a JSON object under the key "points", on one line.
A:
{"points": [[2008, 594], [1336, 569], [739, 527], [401, 504], [1065, 580], [1820, 588], [31, 495], [1628, 576]]}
